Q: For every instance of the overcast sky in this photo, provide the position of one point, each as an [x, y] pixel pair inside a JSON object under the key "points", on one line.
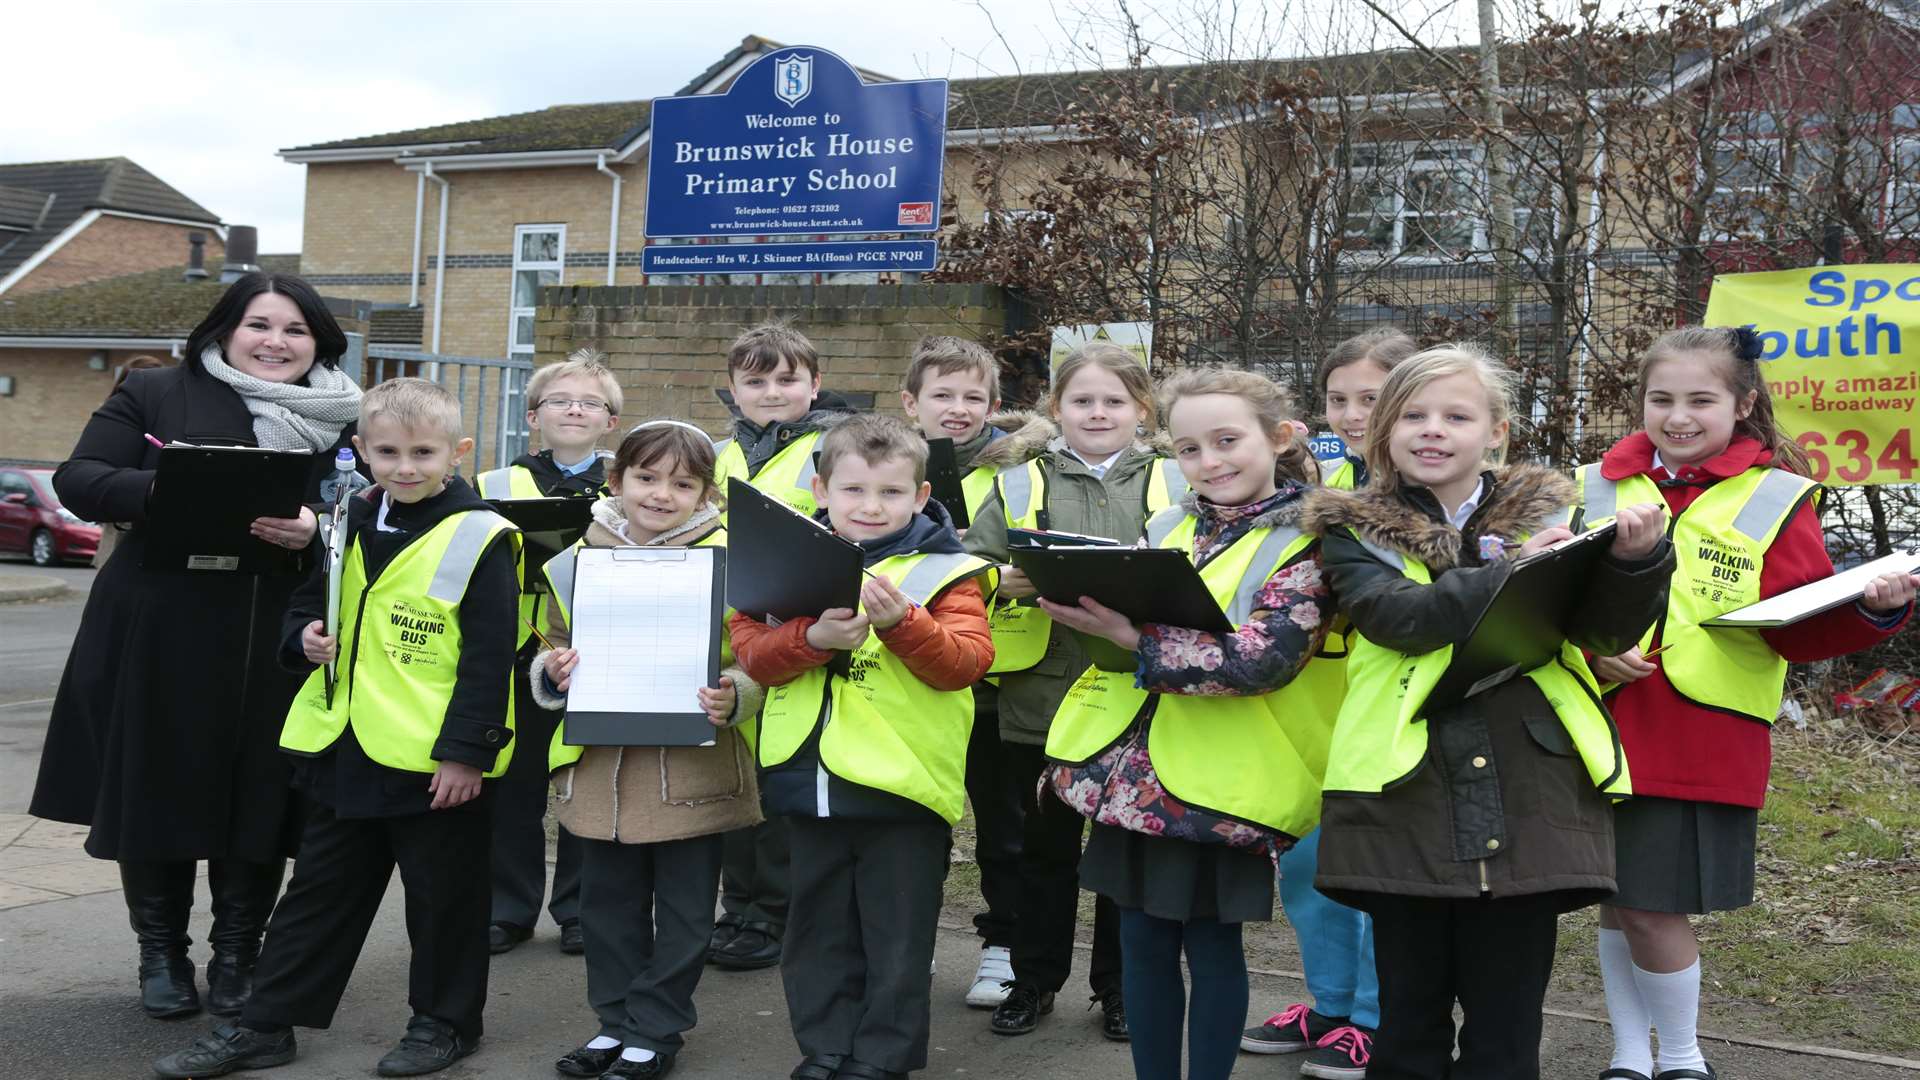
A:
{"points": [[203, 94]]}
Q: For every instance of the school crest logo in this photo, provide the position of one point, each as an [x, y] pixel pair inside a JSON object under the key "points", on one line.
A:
{"points": [[793, 79]]}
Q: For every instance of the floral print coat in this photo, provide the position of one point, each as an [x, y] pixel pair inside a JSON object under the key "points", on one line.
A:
{"points": [[1289, 622]]}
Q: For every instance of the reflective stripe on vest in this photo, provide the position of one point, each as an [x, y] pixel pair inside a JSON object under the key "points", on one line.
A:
{"points": [[1720, 545], [401, 637], [880, 726], [1276, 742], [1166, 487], [787, 476], [1381, 737], [511, 482]]}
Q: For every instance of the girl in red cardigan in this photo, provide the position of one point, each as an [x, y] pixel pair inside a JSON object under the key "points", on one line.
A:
{"points": [[1691, 719]]}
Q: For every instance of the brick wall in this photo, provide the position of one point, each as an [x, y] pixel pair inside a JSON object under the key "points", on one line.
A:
{"points": [[54, 392], [113, 246], [669, 343]]}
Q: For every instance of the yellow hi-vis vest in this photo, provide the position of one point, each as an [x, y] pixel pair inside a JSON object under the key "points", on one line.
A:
{"points": [[1380, 738], [976, 486], [1255, 759], [559, 574], [880, 725], [1341, 476], [1720, 542], [516, 482], [787, 476], [400, 649], [1020, 631]]}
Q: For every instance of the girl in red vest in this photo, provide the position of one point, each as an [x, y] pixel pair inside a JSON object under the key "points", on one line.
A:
{"points": [[1685, 843]]}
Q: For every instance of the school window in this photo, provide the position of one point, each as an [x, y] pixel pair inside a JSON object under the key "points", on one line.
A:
{"points": [[539, 256], [1429, 200], [1017, 221]]}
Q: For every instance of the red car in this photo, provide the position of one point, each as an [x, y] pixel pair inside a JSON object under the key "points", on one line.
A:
{"points": [[32, 520]]}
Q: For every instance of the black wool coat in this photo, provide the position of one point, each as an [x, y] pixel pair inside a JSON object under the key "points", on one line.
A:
{"points": [[165, 730]]}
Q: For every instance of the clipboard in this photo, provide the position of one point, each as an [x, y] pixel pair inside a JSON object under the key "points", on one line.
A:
{"points": [[943, 473], [783, 565], [205, 498], [1524, 624], [1157, 585], [547, 528], [1043, 538], [647, 623], [1815, 597]]}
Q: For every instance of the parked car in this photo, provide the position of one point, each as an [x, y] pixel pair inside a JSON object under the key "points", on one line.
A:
{"points": [[32, 520]]}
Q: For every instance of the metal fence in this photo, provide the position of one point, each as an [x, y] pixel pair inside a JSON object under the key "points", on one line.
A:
{"points": [[492, 393]]}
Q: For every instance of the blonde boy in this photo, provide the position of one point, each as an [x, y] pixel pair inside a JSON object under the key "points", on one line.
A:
{"points": [[571, 406], [393, 762]]}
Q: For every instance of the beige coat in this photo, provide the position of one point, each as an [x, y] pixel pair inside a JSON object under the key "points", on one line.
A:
{"points": [[652, 794]]}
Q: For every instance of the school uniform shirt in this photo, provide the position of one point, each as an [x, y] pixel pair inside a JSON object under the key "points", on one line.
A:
{"points": [[1683, 750], [947, 644], [343, 777], [586, 478]]}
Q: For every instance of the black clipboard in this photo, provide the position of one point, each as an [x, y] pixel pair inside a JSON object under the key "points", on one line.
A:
{"points": [[783, 565], [1524, 624], [610, 724], [1042, 538], [1157, 585], [205, 498], [547, 528], [943, 473]]}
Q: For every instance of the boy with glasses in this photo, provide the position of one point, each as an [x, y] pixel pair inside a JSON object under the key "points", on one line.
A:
{"points": [[571, 406]]}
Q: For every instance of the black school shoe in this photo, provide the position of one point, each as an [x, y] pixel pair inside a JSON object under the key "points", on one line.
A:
{"points": [[1704, 1072], [818, 1067], [860, 1070], [653, 1068], [227, 1048], [1113, 1014], [428, 1046], [755, 946], [1021, 1012], [573, 941], [587, 1063], [502, 937], [1624, 1074], [725, 929]]}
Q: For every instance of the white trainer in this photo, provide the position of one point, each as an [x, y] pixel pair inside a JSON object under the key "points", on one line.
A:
{"points": [[991, 981]]}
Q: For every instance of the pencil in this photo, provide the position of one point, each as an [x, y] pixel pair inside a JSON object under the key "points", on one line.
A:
{"points": [[538, 634], [1656, 652]]}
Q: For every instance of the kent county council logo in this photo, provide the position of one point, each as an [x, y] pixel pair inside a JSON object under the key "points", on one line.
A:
{"points": [[916, 213], [793, 79]]}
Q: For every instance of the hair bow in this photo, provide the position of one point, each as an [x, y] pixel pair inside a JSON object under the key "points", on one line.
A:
{"points": [[1746, 344]]}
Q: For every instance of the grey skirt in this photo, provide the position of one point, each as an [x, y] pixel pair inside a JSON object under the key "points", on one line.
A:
{"points": [[1178, 879], [1684, 857]]}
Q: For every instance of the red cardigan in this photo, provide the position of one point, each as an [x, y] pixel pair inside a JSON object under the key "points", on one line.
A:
{"points": [[1680, 750]]}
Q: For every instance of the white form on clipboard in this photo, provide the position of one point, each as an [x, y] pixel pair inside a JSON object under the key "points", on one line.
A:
{"points": [[646, 623]]}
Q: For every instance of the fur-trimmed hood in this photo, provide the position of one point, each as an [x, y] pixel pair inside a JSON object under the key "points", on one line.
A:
{"points": [[1522, 499], [609, 525], [1031, 434]]}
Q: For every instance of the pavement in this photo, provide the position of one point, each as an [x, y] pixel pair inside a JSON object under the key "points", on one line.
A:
{"points": [[69, 1008]]}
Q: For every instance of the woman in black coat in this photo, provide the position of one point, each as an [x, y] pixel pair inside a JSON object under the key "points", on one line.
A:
{"points": [[165, 730]]}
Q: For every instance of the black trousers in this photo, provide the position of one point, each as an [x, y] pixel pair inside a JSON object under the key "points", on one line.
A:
{"points": [[1492, 956], [519, 824], [1049, 877], [754, 874], [339, 878], [997, 821], [646, 911], [859, 944]]}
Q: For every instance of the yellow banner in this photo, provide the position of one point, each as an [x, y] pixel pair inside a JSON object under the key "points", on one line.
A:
{"points": [[1841, 356]]}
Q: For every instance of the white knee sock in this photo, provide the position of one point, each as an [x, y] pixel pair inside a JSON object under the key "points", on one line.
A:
{"points": [[603, 1042], [1673, 1001], [1631, 1023]]}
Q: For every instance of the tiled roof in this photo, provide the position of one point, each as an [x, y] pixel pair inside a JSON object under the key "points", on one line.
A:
{"points": [[78, 186], [1041, 98], [21, 208], [152, 303]]}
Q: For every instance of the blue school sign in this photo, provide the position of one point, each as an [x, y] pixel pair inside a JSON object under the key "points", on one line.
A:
{"points": [[799, 146]]}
